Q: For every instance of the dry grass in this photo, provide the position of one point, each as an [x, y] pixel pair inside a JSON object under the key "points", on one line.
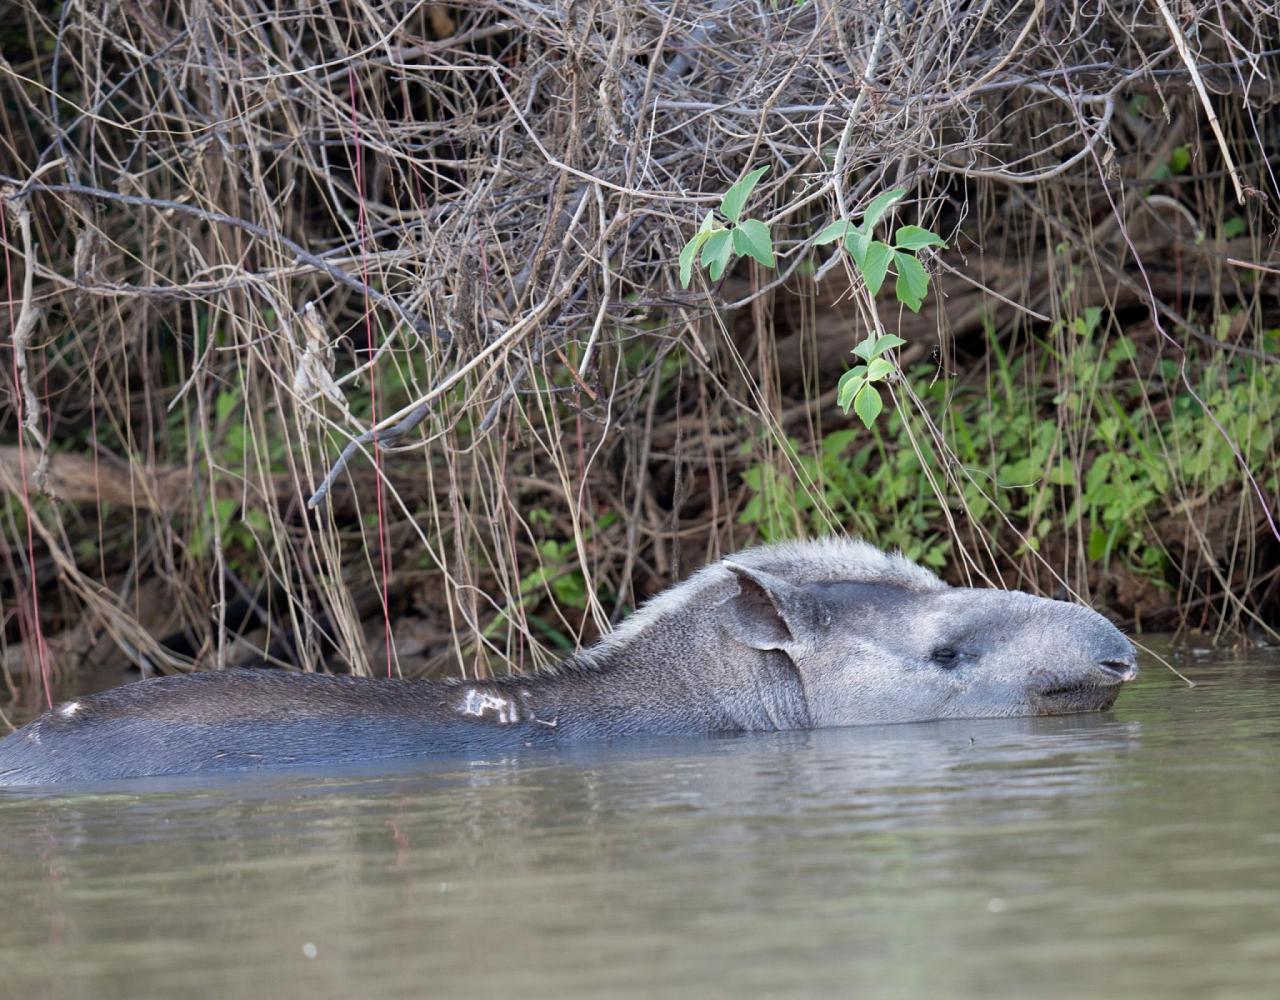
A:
{"points": [[240, 237]]}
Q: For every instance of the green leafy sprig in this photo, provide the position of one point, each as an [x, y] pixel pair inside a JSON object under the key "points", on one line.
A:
{"points": [[857, 386], [873, 257], [720, 244]]}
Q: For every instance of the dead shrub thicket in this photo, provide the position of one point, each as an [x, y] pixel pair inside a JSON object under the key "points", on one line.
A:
{"points": [[239, 236]]}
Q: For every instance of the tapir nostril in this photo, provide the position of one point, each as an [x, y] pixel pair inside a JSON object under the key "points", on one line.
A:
{"points": [[1125, 669]]}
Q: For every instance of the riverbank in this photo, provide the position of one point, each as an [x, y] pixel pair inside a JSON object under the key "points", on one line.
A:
{"points": [[226, 266]]}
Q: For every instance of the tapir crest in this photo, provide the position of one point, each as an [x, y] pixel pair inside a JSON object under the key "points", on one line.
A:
{"points": [[795, 635]]}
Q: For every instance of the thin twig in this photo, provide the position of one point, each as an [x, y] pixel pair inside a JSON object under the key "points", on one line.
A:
{"points": [[1180, 40], [305, 256]]}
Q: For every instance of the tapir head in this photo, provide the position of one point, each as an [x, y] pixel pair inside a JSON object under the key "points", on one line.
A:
{"points": [[909, 647]]}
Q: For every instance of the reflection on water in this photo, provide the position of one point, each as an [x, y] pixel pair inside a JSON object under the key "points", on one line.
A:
{"points": [[1130, 854]]}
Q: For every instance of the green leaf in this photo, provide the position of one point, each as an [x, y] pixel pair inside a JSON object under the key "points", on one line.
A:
{"points": [[1179, 159], [879, 205], [857, 242], [733, 200], [887, 342], [1097, 544], [913, 282], [878, 369], [224, 511], [876, 265], [200, 539], [916, 238], [223, 405], [258, 521], [1063, 474], [866, 347], [868, 404], [848, 386], [717, 253], [836, 231], [834, 444], [708, 222], [688, 255], [715, 246], [751, 239]]}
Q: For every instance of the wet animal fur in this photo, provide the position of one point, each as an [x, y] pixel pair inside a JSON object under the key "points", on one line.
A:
{"points": [[788, 636]]}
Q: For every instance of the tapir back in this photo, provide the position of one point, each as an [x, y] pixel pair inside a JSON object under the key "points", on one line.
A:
{"points": [[244, 719]]}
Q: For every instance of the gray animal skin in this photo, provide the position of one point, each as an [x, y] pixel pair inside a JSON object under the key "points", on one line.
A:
{"points": [[791, 636]]}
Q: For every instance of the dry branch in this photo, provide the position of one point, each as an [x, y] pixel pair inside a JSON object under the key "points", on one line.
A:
{"points": [[476, 210]]}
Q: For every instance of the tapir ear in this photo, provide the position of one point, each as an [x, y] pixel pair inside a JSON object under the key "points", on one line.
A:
{"points": [[767, 612]]}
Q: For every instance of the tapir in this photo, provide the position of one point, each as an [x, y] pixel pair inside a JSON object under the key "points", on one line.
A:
{"points": [[797, 635]]}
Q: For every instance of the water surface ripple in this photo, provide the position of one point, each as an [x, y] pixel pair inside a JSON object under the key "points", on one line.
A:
{"points": [[1132, 854]]}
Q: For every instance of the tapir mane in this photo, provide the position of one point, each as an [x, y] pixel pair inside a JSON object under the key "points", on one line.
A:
{"points": [[822, 560]]}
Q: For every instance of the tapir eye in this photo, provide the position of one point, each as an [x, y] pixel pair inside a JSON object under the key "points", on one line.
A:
{"points": [[944, 656]]}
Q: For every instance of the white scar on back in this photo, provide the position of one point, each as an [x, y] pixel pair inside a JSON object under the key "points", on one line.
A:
{"points": [[480, 703], [68, 710]]}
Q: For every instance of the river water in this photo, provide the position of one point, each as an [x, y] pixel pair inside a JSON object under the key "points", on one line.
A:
{"points": [[1131, 854]]}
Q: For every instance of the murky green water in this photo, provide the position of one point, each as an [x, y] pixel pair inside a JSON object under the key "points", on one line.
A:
{"points": [[1135, 854]]}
